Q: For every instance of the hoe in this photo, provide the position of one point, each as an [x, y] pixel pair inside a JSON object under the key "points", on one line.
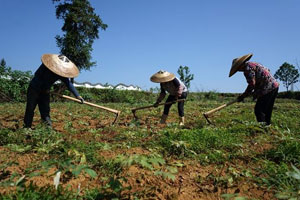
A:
{"points": [[209, 113], [151, 106], [117, 112]]}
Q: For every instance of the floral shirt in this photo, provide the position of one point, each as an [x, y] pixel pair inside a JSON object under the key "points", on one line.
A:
{"points": [[174, 87], [260, 80]]}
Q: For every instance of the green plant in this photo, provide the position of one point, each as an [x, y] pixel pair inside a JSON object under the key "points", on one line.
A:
{"points": [[211, 95], [111, 190], [41, 140], [233, 197], [210, 145], [68, 167], [274, 176], [13, 83], [291, 193], [287, 151], [34, 192]]}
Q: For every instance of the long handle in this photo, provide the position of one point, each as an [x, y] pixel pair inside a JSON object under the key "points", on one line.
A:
{"points": [[144, 107], [208, 113], [91, 104]]}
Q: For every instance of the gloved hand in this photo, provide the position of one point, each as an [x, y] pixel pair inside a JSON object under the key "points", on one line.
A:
{"points": [[156, 104], [81, 99], [240, 98]]}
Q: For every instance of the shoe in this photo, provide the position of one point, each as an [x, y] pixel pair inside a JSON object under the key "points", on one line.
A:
{"points": [[181, 121], [47, 121], [163, 119]]}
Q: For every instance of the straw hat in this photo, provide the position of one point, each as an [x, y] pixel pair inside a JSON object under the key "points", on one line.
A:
{"points": [[60, 65], [162, 76], [237, 62]]}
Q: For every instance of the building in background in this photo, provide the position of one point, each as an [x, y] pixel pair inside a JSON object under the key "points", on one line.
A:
{"points": [[119, 86]]}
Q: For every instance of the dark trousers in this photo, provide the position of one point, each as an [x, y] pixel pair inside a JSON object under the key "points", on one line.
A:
{"points": [[42, 99], [264, 107], [180, 104]]}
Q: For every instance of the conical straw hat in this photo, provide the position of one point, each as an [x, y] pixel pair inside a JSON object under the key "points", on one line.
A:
{"points": [[162, 76], [60, 65], [237, 62]]}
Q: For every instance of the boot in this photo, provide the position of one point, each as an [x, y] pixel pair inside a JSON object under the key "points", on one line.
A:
{"points": [[181, 121], [47, 121], [163, 119]]}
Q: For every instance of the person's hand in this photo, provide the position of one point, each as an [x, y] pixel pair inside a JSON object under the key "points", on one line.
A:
{"points": [[156, 104], [240, 98], [81, 99]]}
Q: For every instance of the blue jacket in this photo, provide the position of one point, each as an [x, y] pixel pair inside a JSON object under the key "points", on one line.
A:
{"points": [[44, 78]]}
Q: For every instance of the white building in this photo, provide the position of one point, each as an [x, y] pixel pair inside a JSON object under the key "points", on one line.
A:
{"points": [[100, 86]]}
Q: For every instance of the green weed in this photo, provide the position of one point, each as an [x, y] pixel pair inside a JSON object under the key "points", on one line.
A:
{"points": [[33, 192]]}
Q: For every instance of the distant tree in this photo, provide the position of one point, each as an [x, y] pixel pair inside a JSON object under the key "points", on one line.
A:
{"points": [[185, 76], [81, 26], [298, 66], [3, 67], [288, 74], [2, 62]]}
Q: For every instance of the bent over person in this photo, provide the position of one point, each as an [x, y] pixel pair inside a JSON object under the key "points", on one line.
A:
{"points": [[54, 67], [170, 83], [261, 85]]}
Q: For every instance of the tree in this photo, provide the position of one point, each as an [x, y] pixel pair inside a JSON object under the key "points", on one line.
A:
{"points": [[3, 67], [185, 76], [81, 26], [2, 63], [288, 74]]}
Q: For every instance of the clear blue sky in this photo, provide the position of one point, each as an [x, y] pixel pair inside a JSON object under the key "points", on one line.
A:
{"points": [[144, 36]]}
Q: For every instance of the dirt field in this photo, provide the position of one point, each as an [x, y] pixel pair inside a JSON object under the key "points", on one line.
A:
{"points": [[142, 159]]}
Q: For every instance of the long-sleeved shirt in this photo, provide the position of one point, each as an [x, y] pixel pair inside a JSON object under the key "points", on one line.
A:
{"points": [[174, 87], [44, 78], [260, 80]]}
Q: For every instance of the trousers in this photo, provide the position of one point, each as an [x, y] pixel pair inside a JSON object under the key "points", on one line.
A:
{"points": [[34, 98], [264, 107], [180, 104]]}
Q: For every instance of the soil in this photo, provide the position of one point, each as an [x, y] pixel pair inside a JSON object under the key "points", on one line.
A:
{"points": [[193, 180]]}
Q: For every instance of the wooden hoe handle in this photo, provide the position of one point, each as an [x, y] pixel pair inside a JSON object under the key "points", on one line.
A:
{"points": [[117, 112], [90, 104], [144, 107], [208, 113]]}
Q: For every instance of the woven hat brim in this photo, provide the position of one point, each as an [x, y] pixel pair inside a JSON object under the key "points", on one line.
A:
{"points": [[158, 78], [59, 67], [238, 62]]}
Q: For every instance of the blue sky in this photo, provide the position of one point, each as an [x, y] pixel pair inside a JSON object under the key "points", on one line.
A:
{"points": [[144, 36]]}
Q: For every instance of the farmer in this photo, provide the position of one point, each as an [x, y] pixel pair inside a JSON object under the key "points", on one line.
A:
{"points": [[261, 85], [54, 67], [170, 83]]}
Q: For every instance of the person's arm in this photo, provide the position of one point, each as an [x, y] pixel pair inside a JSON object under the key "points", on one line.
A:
{"points": [[250, 77], [161, 96], [72, 89]]}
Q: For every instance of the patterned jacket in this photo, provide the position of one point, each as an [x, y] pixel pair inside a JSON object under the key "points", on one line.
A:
{"points": [[260, 80], [174, 87]]}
